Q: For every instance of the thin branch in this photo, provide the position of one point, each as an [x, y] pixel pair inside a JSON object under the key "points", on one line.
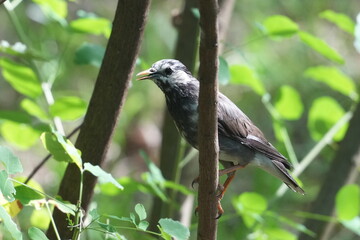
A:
{"points": [[208, 130]]}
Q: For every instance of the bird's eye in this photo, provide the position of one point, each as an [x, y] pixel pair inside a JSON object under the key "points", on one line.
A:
{"points": [[168, 71]]}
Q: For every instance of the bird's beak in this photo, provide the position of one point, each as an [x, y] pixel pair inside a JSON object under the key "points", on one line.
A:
{"points": [[147, 74]]}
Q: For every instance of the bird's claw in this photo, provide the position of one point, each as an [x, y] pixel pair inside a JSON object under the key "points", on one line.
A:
{"points": [[195, 181]]}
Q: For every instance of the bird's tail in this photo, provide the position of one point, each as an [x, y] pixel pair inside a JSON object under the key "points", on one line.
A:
{"points": [[284, 175]]}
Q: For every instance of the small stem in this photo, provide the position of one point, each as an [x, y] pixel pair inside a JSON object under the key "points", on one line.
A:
{"points": [[78, 214], [52, 220]]}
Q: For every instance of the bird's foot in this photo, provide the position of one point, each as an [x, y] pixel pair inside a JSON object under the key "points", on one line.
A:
{"points": [[220, 210], [195, 181]]}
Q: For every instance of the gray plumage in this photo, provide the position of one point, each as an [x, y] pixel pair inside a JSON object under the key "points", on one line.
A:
{"points": [[240, 141]]}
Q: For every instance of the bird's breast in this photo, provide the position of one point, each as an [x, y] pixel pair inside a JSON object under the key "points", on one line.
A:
{"points": [[184, 111]]}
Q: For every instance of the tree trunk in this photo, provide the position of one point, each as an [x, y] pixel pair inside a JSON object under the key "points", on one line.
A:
{"points": [[208, 129], [105, 104], [343, 166]]}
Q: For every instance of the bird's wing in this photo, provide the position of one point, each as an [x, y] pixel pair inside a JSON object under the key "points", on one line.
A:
{"points": [[233, 123]]}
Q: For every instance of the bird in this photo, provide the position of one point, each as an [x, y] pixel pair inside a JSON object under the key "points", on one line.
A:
{"points": [[241, 142]]}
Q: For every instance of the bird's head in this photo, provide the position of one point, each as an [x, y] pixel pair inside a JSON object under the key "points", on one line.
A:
{"points": [[167, 73]]}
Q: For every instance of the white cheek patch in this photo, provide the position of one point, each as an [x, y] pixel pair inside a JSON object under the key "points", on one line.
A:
{"points": [[180, 76]]}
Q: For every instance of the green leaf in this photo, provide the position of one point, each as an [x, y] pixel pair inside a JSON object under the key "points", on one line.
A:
{"points": [[92, 25], [103, 177], [348, 202], [61, 148], [343, 21], [54, 9], [320, 120], [11, 162], [280, 26], [224, 72], [89, 53], [21, 135], [107, 227], [94, 214], [21, 78], [140, 211], [14, 116], [9, 225], [288, 103], [68, 108], [40, 218], [6, 186], [279, 234], [334, 78], [25, 194], [250, 205], [321, 47], [353, 225], [36, 234], [174, 228], [143, 225], [242, 74], [33, 109]]}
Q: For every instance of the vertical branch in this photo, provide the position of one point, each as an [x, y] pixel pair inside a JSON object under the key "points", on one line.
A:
{"points": [[105, 104], [208, 139]]}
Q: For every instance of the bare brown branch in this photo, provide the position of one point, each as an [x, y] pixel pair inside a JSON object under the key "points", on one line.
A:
{"points": [[208, 140], [105, 104]]}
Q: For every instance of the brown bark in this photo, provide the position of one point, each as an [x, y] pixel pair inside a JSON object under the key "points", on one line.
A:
{"points": [[343, 166], [105, 104], [185, 52], [208, 140]]}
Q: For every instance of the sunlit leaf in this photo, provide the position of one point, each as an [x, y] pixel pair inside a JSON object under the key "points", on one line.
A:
{"points": [[321, 47], [21, 78], [140, 211], [11, 162], [33, 109], [242, 74], [174, 229], [36, 234], [343, 21], [21, 135], [103, 177], [353, 225], [55, 9], [323, 114], [334, 78], [250, 205], [288, 103], [280, 26], [10, 225], [224, 72], [92, 25], [6, 186], [61, 148], [279, 234], [40, 218], [348, 202], [68, 108], [89, 53]]}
